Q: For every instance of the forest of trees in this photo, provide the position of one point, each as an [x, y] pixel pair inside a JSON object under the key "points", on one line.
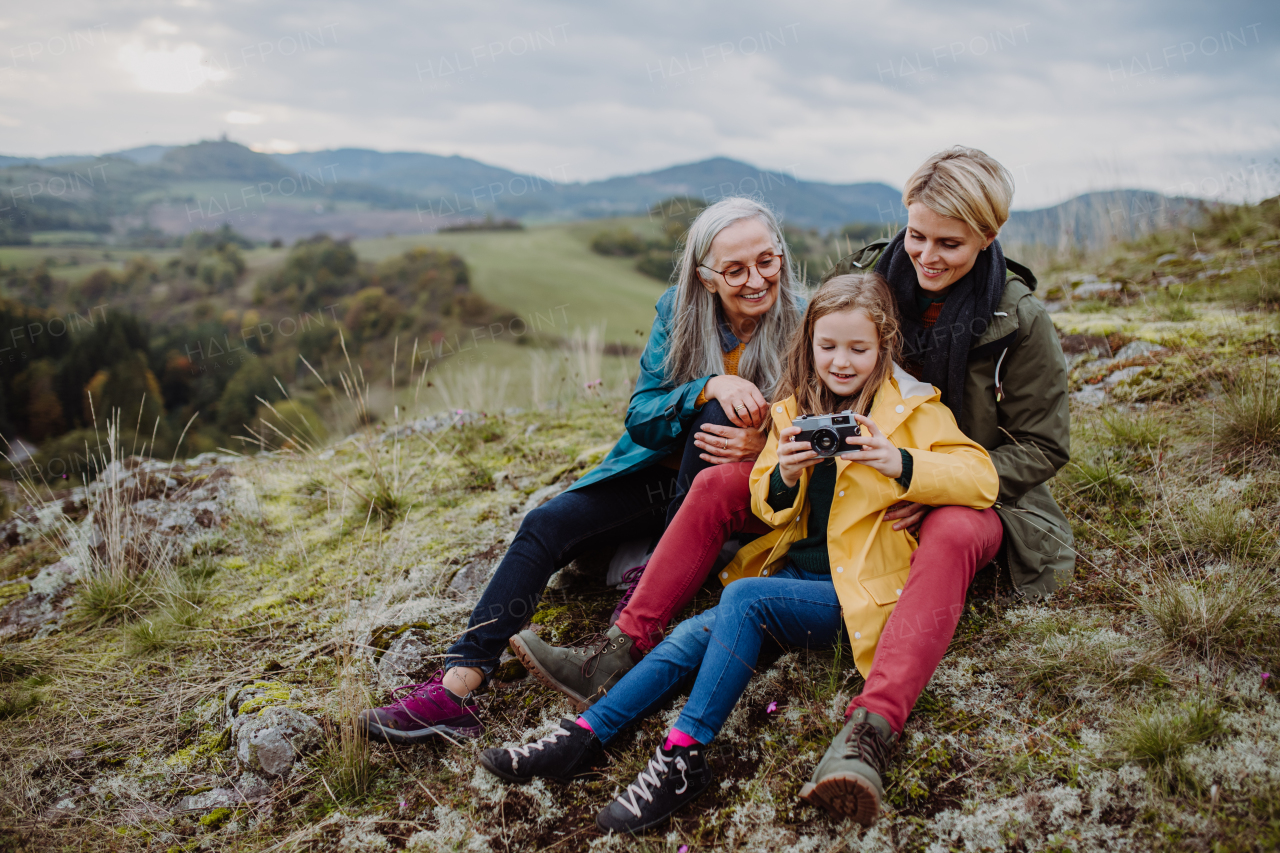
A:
{"points": [[163, 344]]}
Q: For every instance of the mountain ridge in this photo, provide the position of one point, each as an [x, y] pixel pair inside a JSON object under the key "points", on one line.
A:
{"points": [[444, 188]]}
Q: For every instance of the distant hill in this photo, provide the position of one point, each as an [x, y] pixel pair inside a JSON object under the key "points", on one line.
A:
{"points": [[458, 186], [1096, 218], [222, 160], [410, 172], [362, 192]]}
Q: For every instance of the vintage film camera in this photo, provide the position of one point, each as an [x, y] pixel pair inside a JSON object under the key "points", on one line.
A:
{"points": [[827, 433]]}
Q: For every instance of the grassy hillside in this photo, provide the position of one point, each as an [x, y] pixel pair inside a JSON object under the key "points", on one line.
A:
{"points": [[1138, 709], [536, 270]]}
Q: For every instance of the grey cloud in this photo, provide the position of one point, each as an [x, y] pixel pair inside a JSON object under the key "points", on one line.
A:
{"points": [[1069, 93]]}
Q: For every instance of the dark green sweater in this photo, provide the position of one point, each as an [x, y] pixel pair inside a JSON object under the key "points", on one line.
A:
{"points": [[810, 553]]}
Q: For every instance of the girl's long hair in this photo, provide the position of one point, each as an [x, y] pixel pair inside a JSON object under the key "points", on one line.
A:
{"points": [[867, 292], [694, 349]]}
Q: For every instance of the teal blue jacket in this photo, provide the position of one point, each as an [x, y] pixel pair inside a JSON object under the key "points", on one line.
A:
{"points": [[659, 411]]}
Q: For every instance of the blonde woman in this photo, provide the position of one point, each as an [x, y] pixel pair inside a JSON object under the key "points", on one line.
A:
{"points": [[712, 362], [972, 328]]}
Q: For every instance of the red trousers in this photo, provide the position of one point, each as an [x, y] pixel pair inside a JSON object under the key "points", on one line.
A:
{"points": [[954, 543], [717, 505]]}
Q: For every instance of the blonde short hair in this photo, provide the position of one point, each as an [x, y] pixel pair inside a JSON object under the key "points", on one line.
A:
{"points": [[965, 184]]}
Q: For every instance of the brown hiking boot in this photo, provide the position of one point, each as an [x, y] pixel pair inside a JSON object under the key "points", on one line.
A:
{"points": [[583, 672], [847, 781]]}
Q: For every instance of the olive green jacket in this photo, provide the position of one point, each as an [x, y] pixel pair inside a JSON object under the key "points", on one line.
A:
{"points": [[1016, 406]]}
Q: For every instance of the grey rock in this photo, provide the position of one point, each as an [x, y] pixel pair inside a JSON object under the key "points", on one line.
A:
{"points": [[217, 798], [1133, 349], [271, 741], [1090, 395], [252, 788], [1086, 344], [1124, 373], [471, 578], [1090, 287], [408, 660], [543, 495], [43, 606]]}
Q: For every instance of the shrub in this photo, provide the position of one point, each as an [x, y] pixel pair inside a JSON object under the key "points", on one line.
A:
{"points": [[1221, 527], [1100, 479], [1159, 738], [1259, 288], [1133, 430], [1248, 414], [658, 263], [622, 242], [1229, 614]]}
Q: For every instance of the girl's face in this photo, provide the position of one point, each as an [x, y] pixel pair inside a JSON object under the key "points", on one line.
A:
{"points": [[846, 347], [942, 248]]}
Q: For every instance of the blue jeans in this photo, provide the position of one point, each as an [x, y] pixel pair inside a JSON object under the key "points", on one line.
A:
{"points": [[598, 515], [722, 645]]}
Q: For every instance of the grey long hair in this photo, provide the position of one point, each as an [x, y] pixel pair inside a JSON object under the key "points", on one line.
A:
{"points": [[694, 350]]}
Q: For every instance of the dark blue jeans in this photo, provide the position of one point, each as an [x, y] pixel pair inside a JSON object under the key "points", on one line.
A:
{"points": [[722, 645], [602, 514]]}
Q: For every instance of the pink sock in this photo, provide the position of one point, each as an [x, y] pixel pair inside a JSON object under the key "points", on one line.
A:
{"points": [[675, 737], [583, 722]]}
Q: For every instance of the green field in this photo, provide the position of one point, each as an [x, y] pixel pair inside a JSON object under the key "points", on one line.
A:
{"points": [[542, 268], [545, 269]]}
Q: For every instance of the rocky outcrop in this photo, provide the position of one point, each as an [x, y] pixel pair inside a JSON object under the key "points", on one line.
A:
{"points": [[409, 660], [271, 741]]}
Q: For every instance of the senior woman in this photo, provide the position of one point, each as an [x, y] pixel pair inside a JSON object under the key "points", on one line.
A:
{"points": [[707, 373]]}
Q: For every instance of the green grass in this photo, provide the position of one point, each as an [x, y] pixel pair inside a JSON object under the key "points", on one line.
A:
{"points": [[536, 271], [1133, 430], [1229, 614], [1220, 527], [1249, 411], [1158, 739]]}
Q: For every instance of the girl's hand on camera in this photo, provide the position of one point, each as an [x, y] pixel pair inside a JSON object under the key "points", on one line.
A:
{"points": [[794, 456], [877, 453]]}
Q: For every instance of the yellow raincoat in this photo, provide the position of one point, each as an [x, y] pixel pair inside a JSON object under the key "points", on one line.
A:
{"points": [[869, 559]]}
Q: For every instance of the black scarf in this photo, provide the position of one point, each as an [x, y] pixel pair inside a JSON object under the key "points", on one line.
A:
{"points": [[943, 350]]}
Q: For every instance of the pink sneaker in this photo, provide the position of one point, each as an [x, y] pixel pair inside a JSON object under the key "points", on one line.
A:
{"points": [[424, 712]]}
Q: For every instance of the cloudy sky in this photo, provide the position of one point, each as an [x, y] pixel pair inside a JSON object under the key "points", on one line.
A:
{"points": [[1072, 95]]}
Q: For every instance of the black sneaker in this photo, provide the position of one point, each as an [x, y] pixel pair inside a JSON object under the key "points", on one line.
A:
{"points": [[672, 780], [567, 753]]}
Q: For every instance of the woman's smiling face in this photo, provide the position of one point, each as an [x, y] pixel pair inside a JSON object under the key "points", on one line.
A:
{"points": [[942, 248], [744, 242], [846, 347]]}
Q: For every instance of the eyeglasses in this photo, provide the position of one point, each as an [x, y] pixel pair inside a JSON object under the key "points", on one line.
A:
{"points": [[736, 275]]}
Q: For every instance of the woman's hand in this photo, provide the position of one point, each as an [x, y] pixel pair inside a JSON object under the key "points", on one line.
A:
{"points": [[878, 452], [721, 444], [741, 400], [909, 516], [794, 456]]}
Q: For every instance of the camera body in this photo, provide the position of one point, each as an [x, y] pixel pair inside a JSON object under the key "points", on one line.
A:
{"points": [[826, 434]]}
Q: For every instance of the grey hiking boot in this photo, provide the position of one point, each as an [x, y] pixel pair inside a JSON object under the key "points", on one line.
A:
{"points": [[847, 780], [583, 672]]}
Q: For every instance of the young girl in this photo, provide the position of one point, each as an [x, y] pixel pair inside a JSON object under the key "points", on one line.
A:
{"points": [[828, 565]]}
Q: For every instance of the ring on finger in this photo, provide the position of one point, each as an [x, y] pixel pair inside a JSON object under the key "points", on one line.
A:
{"points": [[739, 408]]}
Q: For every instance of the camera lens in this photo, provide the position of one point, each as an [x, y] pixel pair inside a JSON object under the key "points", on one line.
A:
{"points": [[825, 441]]}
